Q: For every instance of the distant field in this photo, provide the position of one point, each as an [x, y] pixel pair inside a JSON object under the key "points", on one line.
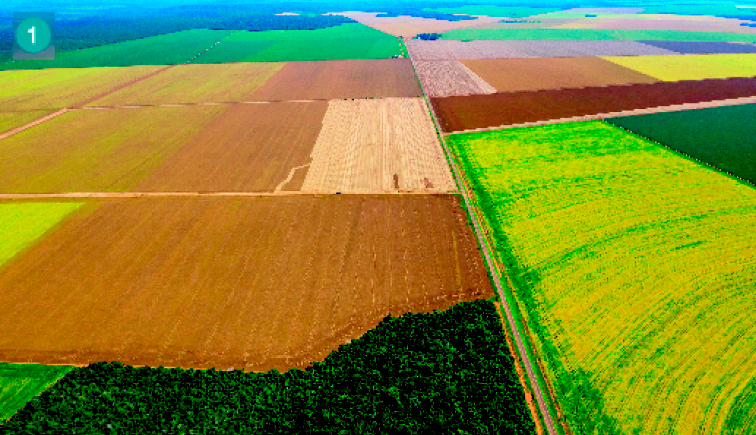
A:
{"points": [[249, 283], [169, 49], [703, 47], [97, 150], [496, 11], [444, 78], [58, 88], [364, 143], [341, 79], [11, 120], [597, 35], [347, 41], [246, 148], [508, 75], [501, 109], [634, 268], [19, 383], [724, 137], [195, 84], [691, 67], [23, 223]]}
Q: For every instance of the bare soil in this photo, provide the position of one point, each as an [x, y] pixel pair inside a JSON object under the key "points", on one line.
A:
{"points": [[450, 77]]}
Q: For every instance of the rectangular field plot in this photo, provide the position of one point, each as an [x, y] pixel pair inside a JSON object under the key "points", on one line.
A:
{"points": [[444, 78], [341, 79], [195, 84], [703, 47], [19, 383], [248, 148], [691, 67], [97, 150], [635, 268], [508, 75], [62, 87], [381, 145], [513, 108], [249, 283], [596, 35], [723, 137]]}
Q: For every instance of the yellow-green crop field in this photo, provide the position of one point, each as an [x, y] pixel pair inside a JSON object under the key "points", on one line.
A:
{"points": [[691, 66], [23, 223], [62, 87], [635, 270], [11, 120]]}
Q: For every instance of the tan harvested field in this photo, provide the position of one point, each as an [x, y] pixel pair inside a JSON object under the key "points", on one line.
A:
{"points": [[408, 27], [509, 75], [195, 84], [57, 88], [252, 283], [450, 77], [336, 79], [248, 148], [97, 150], [539, 23], [721, 25], [364, 143]]}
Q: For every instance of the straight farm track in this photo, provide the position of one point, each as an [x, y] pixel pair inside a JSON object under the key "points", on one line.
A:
{"points": [[253, 283]]}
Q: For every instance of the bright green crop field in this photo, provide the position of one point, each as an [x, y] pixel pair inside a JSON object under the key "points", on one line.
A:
{"points": [[597, 35], [23, 223], [634, 268], [347, 41], [169, 49], [723, 137], [19, 383]]}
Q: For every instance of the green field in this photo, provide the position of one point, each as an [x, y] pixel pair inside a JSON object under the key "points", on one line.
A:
{"points": [[11, 120], [347, 41], [724, 137], [597, 35], [169, 49], [634, 269], [690, 66], [23, 223], [19, 383]]}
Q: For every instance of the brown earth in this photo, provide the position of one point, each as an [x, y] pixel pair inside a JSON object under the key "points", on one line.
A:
{"points": [[481, 111], [341, 79], [508, 75], [252, 283], [249, 148], [407, 26], [450, 77]]}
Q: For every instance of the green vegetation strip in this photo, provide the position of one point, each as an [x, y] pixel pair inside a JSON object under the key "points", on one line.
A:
{"points": [[445, 372], [20, 383], [23, 223], [596, 35], [722, 137], [634, 269]]}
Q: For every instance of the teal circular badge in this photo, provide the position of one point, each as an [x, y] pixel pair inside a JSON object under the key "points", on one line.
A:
{"points": [[33, 35]]}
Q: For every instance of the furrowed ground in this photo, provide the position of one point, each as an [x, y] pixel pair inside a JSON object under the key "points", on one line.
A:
{"points": [[634, 270]]}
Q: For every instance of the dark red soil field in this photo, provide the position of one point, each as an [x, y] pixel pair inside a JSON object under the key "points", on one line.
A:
{"points": [[252, 283], [468, 112], [341, 79]]}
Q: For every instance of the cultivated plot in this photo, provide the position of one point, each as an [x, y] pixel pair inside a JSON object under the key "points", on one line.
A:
{"points": [[247, 148], [444, 78], [97, 150], [195, 84], [635, 267], [691, 67], [508, 75], [339, 79], [511, 108], [724, 137], [19, 383], [597, 35], [13, 120], [381, 145], [407, 27], [703, 47], [62, 87], [249, 283]]}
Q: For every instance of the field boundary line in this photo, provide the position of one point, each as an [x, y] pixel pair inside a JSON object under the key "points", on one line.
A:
{"points": [[34, 123], [115, 195], [602, 116], [488, 257], [291, 175]]}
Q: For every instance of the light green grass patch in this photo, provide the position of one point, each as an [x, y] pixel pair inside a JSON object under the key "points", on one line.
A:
{"points": [[595, 35], [690, 66], [23, 223], [20, 383], [635, 268]]}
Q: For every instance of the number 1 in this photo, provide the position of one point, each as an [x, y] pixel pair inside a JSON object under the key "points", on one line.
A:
{"points": [[32, 31]]}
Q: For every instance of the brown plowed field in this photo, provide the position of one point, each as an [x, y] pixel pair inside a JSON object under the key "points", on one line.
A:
{"points": [[253, 283], [481, 111], [337, 79], [363, 143], [249, 148], [450, 77], [509, 75]]}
